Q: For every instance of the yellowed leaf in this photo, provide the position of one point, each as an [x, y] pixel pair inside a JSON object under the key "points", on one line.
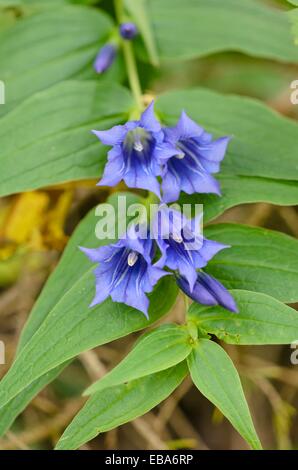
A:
{"points": [[56, 217], [25, 215]]}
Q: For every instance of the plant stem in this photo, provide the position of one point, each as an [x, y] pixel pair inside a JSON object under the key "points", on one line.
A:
{"points": [[131, 66]]}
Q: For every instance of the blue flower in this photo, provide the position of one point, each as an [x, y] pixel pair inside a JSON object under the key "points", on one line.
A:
{"points": [[208, 291], [125, 271], [197, 156], [105, 58], [128, 30], [182, 246], [137, 148]]}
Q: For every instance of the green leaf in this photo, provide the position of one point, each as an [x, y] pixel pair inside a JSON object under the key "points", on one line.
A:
{"points": [[7, 20], [293, 16], [205, 27], [44, 3], [52, 140], [214, 374], [259, 260], [114, 406], [56, 44], [160, 349], [261, 320], [69, 326], [14, 407], [138, 10], [242, 190]]}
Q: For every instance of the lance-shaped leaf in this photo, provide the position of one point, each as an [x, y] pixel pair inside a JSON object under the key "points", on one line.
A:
{"points": [[47, 139], [114, 406], [214, 374], [160, 349], [293, 16], [258, 260], [50, 45], [14, 407], [261, 320], [117, 320], [204, 27]]}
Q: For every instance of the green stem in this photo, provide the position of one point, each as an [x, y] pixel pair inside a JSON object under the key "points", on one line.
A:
{"points": [[131, 66]]}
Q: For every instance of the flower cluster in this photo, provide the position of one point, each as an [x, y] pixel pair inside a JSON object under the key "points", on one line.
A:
{"points": [[165, 161], [185, 156]]}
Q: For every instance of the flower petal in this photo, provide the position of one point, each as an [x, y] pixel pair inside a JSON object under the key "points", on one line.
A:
{"points": [[170, 186], [187, 128], [139, 177], [210, 248], [148, 119], [198, 182], [112, 136], [219, 292], [114, 169], [214, 151]]}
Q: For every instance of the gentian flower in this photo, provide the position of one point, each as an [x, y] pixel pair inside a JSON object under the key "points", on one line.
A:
{"points": [[105, 58], [125, 271], [197, 156], [182, 246], [128, 30], [208, 291], [136, 150]]}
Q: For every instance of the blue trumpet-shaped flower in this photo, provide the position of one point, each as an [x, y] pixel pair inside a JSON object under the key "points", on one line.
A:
{"points": [[105, 58], [137, 148], [208, 291], [196, 158], [182, 246], [125, 271]]}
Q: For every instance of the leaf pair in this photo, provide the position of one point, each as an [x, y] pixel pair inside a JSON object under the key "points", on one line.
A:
{"points": [[137, 384], [261, 320]]}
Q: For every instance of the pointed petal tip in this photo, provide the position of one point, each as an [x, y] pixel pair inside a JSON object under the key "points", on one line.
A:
{"points": [[151, 104], [93, 303], [229, 303], [96, 133], [223, 246], [84, 250], [145, 313], [234, 308]]}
